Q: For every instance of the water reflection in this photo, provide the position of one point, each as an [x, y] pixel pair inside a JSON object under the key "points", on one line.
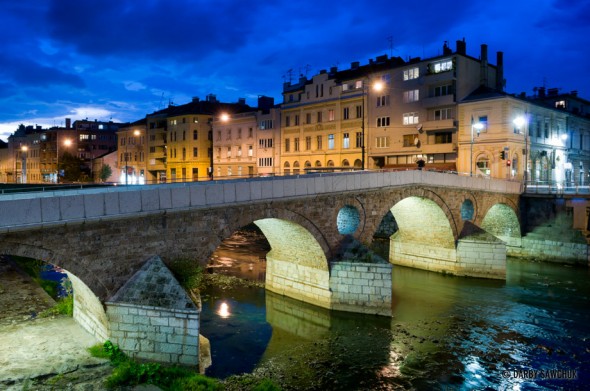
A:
{"points": [[446, 332]]}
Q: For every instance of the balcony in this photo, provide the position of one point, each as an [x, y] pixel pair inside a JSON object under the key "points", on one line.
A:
{"points": [[444, 124], [436, 101]]}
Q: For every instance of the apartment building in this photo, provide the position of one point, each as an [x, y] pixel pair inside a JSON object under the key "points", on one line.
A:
{"points": [[389, 113], [180, 139], [132, 153], [247, 144], [522, 138]]}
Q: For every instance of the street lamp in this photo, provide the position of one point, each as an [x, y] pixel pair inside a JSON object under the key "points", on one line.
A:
{"points": [[377, 86], [23, 151], [477, 126], [135, 134], [520, 123], [67, 143]]}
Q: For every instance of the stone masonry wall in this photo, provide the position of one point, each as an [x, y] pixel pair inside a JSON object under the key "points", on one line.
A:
{"points": [[156, 334], [482, 259], [88, 310], [298, 281], [423, 256], [552, 251], [361, 287]]}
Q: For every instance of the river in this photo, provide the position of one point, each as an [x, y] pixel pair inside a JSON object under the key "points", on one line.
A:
{"points": [[528, 332]]}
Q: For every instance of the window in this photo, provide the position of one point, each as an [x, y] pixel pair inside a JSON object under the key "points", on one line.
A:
{"points": [[359, 111], [383, 100], [346, 113], [228, 152], [382, 142], [319, 140], [412, 73], [219, 135], [287, 145], [251, 150], [265, 143], [265, 124], [239, 133], [411, 96], [229, 173], [296, 144], [195, 134], [382, 121], [184, 135], [330, 115], [358, 84], [195, 152], [173, 122], [410, 118], [287, 121], [483, 119], [442, 114], [250, 132], [152, 149], [443, 90], [546, 129], [265, 162], [307, 143], [359, 139], [240, 150], [228, 134], [330, 141], [319, 117], [218, 153], [296, 119], [443, 137], [308, 118], [409, 140], [560, 104], [441, 66]]}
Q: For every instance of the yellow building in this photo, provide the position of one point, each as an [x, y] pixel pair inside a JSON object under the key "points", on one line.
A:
{"points": [[516, 138]]}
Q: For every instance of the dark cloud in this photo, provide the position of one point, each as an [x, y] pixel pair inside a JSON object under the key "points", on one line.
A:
{"points": [[26, 72]]}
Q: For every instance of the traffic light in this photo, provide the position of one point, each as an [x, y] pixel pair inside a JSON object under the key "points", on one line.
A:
{"points": [[502, 155]]}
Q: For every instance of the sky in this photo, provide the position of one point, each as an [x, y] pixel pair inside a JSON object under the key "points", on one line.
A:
{"points": [[122, 59]]}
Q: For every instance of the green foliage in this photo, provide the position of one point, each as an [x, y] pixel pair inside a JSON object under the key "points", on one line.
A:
{"points": [[249, 382], [105, 172], [98, 351], [188, 273], [73, 168], [64, 306], [195, 383]]}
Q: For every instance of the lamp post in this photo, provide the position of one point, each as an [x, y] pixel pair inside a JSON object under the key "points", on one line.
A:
{"points": [[23, 152], [67, 143], [477, 126], [520, 123], [377, 86]]}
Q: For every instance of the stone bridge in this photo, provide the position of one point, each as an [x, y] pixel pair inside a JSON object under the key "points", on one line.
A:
{"points": [[435, 221]]}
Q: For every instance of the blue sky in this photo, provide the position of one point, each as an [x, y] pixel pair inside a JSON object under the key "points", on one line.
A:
{"points": [[122, 59]]}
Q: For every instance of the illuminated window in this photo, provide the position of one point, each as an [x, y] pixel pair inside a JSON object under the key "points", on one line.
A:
{"points": [[346, 140], [410, 118], [330, 141], [412, 73], [330, 115], [441, 66]]}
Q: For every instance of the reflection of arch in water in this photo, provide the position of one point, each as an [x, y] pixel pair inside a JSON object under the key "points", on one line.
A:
{"points": [[296, 264]]}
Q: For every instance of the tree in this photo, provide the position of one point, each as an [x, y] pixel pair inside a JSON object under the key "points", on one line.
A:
{"points": [[71, 168], [105, 172]]}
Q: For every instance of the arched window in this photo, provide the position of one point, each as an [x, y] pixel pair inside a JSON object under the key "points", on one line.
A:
{"points": [[287, 168]]}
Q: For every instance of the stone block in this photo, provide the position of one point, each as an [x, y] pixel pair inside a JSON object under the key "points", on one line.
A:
{"points": [[289, 187], [150, 200], [229, 192], [129, 202], [94, 205], [49, 210], [198, 194], [71, 208], [243, 192], [158, 321], [180, 197]]}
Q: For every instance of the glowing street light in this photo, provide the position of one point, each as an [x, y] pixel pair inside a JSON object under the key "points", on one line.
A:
{"points": [[67, 142], [477, 126], [23, 151], [377, 86]]}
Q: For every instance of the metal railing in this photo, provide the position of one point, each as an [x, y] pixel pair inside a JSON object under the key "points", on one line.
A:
{"points": [[555, 187]]}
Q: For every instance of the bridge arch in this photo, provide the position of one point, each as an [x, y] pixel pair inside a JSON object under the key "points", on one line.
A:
{"points": [[502, 221], [88, 309]]}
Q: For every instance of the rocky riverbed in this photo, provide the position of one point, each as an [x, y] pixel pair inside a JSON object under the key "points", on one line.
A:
{"points": [[41, 353]]}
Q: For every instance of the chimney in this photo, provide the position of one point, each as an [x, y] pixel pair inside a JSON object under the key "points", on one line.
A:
{"points": [[212, 98], [483, 73], [195, 99], [500, 71], [541, 92], [354, 65], [446, 49], [241, 101], [462, 47], [68, 123], [333, 70], [574, 93], [265, 102]]}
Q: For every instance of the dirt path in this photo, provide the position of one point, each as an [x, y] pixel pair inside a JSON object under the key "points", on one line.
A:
{"points": [[41, 354]]}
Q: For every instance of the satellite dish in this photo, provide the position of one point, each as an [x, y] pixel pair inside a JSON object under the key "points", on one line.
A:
{"points": [[419, 127], [416, 141]]}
